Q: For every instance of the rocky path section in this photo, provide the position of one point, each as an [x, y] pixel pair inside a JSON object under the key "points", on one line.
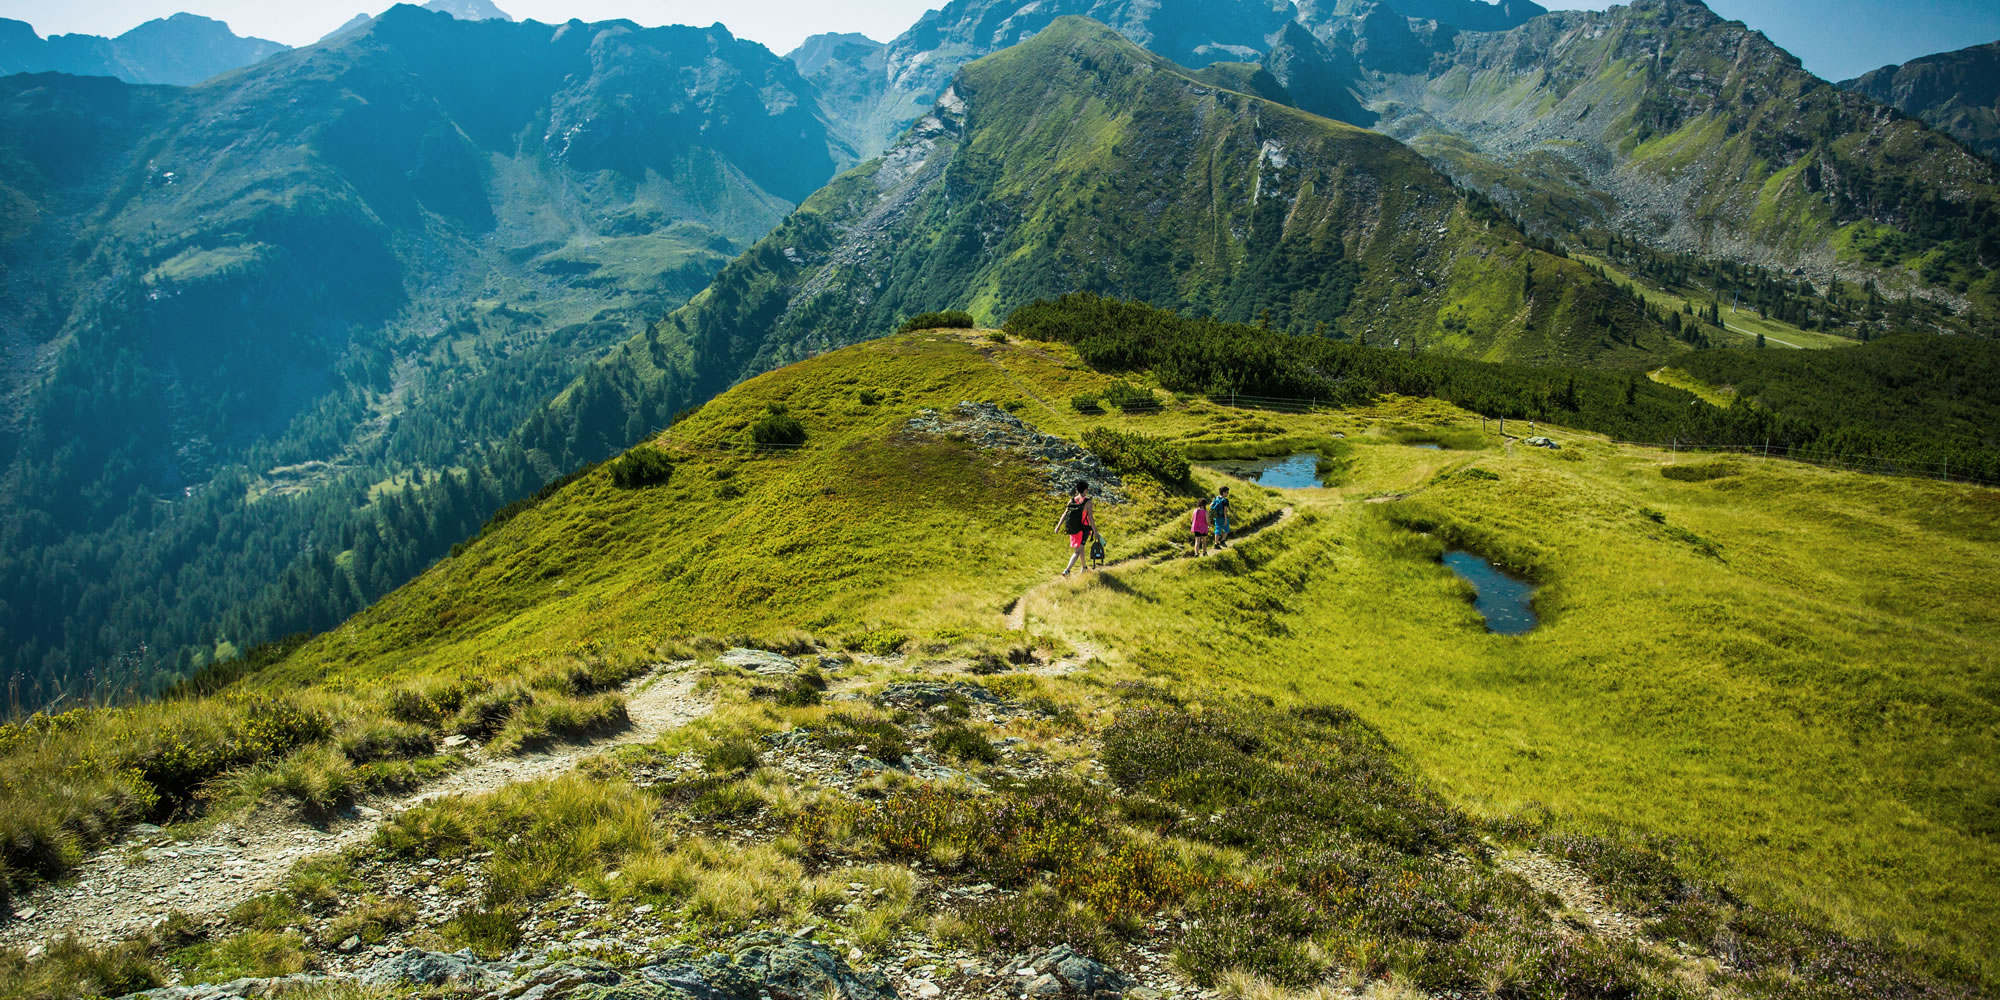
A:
{"points": [[130, 887], [1585, 909]]}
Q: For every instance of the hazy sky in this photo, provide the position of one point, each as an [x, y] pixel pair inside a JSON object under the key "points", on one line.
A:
{"points": [[1836, 38]]}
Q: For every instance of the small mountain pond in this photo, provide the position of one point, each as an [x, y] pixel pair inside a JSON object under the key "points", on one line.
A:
{"points": [[1505, 603], [1292, 472]]}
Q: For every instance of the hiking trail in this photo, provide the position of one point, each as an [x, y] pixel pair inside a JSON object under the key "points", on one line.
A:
{"points": [[128, 887], [1017, 610]]}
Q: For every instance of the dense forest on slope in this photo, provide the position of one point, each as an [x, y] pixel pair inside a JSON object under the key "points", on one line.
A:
{"points": [[244, 319]]}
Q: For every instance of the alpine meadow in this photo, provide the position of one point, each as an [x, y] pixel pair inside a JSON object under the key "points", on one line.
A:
{"points": [[1082, 500]]}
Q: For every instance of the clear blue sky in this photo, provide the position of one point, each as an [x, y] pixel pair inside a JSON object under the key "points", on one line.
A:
{"points": [[1836, 38]]}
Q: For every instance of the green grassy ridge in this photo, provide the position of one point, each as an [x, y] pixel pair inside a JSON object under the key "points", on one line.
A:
{"points": [[1785, 162], [1711, 651]]}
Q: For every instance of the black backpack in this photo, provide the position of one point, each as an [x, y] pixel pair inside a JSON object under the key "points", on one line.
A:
{"points": [[1097, 547], [1073, 517]]}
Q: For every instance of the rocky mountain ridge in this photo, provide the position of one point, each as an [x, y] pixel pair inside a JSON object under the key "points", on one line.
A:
{"points": [[1956, 92], [183, 49]]}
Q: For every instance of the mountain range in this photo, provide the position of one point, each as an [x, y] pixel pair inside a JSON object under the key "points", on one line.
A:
{"points": [[1955, 92], [299, 329], [1659, 120], [183, 49], [344, 267]]}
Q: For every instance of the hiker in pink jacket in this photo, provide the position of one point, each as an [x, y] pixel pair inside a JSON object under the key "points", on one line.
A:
{"points": [[1199, 526]]}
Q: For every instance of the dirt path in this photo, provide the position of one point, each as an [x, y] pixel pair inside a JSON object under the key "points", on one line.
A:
{"points": [[1017, 612], [125, 889], [1584, 907]]}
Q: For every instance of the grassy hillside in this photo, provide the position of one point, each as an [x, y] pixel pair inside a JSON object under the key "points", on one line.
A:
{"points": [[1781, 670]]}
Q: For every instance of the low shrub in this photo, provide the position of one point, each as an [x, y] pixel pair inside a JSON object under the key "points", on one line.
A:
{"points": [[385, 740], [372, 920], [427, 704], [878, 738], [320, 779], [1131, 398], [950, 319], [644, 465], [778, 428], [963, 744], [1138, 453], [1086, 403], [179, 756], [488, 931], [1701, 472], [552, 718], [71, 968], [734, 755], [484, 713], [251, 954], [1035, 919]]}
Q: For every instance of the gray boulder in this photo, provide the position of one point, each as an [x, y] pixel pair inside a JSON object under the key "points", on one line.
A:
{"points": [[580, 977], [235, 989], [1062, 971], [930, 694], [765, 964], [1544, 442], [760, 661], [418, 967]]}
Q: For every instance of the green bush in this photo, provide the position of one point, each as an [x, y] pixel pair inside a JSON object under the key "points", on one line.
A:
{"points": [[642, 466], [878, 738], [1138, 453], [386, 741], [952, 319], [71, 968], [778, 428], [963, 744], [731, 756], [484, 713], [1086, 403], [183, 753], [1131, 398]]}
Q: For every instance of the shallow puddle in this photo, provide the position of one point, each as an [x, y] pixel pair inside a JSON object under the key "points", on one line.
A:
{"points": [[1293, 472], [1507, 604]]}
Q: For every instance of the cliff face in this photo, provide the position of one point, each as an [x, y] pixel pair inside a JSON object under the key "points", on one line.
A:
{"points": [[1957, 92]]}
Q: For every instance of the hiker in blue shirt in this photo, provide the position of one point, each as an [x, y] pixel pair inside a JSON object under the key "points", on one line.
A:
{"points": [[1218, 517]]}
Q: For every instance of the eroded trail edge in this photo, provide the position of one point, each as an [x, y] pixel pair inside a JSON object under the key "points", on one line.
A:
{"points": [[129, 887]]}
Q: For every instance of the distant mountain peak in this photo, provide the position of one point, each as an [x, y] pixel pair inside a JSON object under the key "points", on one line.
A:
{"points": [[1957, 92], [183, 49], [815, 52], [470, 10]]}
